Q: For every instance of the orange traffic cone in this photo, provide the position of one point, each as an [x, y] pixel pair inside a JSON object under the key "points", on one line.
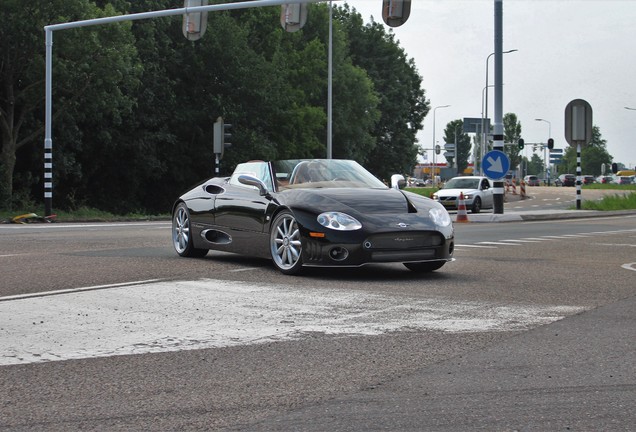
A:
{"points": [[462, 215]]}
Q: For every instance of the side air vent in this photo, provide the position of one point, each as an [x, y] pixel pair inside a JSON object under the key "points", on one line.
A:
{"points": [[214, 189], [216, 237]]}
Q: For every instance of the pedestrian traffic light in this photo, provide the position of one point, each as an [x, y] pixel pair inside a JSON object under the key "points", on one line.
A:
{"points": [[221, 137], [550, 143], [521, 143]]}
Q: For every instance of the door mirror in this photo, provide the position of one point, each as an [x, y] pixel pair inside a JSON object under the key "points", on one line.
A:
{"points": [[253, 181], [398, 181]]}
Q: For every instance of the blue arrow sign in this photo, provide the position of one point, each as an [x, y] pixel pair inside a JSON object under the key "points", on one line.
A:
{"points": [[496, 164]]}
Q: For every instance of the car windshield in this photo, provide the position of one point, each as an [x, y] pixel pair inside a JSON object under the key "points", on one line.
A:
{"points": [[462, 183], [323, 173]]}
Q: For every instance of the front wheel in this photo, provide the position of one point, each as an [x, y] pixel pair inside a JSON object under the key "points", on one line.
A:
{"points": [[285, 245], [476, 207], [182, 234], [425, 267]]}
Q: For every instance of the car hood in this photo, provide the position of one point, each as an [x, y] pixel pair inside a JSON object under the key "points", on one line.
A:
{"points": [[455, 192], [349, 200]]}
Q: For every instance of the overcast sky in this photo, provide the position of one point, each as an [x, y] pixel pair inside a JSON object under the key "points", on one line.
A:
{"points": [[567, 49]]}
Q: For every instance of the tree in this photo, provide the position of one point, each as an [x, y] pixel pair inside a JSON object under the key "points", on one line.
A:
{"points": [[92, 73], [512, 133], [396, 81], [454, 133], [535, 165], [593, 156]]}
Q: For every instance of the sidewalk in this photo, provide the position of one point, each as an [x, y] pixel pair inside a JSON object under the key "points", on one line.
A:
{"points": [[537, 215]]}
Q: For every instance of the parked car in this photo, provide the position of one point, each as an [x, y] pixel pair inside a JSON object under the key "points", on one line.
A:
{"points": [[587, 179], [623, 180], [566, 180], [604, 179], [532, 180], [477, 190], [319, 213]]}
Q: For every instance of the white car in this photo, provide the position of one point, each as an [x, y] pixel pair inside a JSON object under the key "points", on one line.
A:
{"points": [[477, 190]]}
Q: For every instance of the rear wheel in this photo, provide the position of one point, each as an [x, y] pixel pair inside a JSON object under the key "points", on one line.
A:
{"points": [[285, 246], [425, 267], [182, 234]]}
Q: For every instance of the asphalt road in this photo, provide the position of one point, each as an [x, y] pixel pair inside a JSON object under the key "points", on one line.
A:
{"points": [[531, 328]]}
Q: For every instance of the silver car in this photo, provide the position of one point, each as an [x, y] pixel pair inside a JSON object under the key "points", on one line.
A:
{"points": [[477, 190]]}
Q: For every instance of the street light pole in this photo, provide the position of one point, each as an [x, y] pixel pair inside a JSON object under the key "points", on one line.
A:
{"points": [[485, 110], [434, 166], [544, 148]]}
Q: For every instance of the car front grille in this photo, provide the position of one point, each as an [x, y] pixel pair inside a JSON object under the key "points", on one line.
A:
{"points": [[404, 240]]}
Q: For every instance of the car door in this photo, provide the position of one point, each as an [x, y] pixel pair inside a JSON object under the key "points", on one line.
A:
{"points": [[242, 208], [486, 193]]}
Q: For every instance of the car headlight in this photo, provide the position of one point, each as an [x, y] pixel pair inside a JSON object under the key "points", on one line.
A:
{"points": [[338, 221], [467, 196], [440, 216], [435, 197]]}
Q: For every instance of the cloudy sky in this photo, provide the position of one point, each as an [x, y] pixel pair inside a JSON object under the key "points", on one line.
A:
{"points": [[567, 49]]}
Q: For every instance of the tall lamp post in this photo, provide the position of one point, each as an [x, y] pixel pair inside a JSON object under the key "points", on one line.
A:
{"points": [[545, 146], [434, 166], [485, 105]]}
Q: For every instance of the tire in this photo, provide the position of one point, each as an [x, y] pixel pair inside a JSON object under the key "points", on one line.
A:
{"points": [[285, 245], [425, 267], [182, 234], [476, 207]]}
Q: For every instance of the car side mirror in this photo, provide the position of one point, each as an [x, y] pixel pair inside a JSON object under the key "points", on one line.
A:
{"points": [[398, 181], [253, 181]]}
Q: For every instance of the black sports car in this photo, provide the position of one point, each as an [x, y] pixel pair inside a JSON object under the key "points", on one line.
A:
{"points": [[322, 212]]}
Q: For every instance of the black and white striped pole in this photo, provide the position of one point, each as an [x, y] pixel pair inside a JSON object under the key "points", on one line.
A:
{"points": [[578, 176], [578, 131]]}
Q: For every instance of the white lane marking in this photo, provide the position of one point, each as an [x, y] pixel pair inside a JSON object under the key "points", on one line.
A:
{"points": [[184, 315], [80, 225], [499, 243], [537, 238], [476, 246], [615, 244], [74, 290], [629, 266], [12, 255], [521, 241]]}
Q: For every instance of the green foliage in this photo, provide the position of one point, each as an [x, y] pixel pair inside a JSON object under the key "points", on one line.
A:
{"points": [[592, 156], [612, 202], [134, 103], [512, 133], [453, 133]]}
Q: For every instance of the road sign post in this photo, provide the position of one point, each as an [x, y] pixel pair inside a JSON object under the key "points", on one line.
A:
{"points": [[578, 131]]}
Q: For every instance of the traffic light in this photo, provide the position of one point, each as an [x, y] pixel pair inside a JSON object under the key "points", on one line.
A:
{"points": [[221, 137], [395, 12], [521, 143], [438, 149], [550, 143], [194, 24], [293, 16], [614, 167]]}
